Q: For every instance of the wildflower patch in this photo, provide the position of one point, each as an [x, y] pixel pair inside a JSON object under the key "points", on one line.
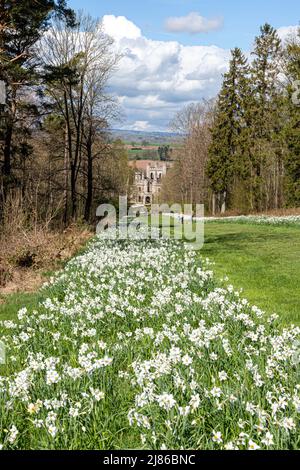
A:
{"points": [[136, 346]]}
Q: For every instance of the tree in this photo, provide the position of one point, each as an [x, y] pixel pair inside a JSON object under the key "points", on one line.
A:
{"points": [[78, 62], [266, 125], [100, 110], [164, 152], [292, 130], [21, 26], [113, 172], [229, 131], [186, 181]]}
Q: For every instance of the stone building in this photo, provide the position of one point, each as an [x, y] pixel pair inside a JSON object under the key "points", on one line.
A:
{"points": [[148, 177]]}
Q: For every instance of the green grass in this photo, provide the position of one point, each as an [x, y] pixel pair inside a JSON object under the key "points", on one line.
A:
{"points": [[263, 260], [14, 302]]}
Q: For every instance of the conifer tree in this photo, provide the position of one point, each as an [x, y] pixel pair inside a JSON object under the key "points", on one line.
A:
{"points": [[292, 164], [266, 125], [227, 151]]}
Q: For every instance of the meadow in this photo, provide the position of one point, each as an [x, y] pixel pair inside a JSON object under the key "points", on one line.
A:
{"points": [[136, 344], [263, 260]]}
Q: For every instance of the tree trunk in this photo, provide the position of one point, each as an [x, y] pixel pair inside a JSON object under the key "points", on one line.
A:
{"points": [[73, 191], [66, 210], [89, 197], [6, 169], [7, 150], [214, 204], [8, 144], [223, 205]]}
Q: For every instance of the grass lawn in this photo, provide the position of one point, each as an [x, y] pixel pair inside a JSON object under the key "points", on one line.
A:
{"points": [[12, 303], [264, 260]]}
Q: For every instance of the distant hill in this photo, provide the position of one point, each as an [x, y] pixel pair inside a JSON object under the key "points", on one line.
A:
{"points": [[139, 137]]}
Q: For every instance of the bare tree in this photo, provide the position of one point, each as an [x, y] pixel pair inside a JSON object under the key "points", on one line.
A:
{"points": [[78, 62], [189, 171]]}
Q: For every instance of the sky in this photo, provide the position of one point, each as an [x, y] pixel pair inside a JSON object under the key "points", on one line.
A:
{"points": [[176, 51]]}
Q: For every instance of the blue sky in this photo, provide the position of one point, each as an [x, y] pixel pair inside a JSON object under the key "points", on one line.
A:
{"points": [[242, 18], [195, 62]]}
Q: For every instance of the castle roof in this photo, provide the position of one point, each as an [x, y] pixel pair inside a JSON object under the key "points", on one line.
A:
{"points": [[144, 164]]}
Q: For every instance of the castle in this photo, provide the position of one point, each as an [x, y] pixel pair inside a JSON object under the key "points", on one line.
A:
{"points": [[148, 177]]}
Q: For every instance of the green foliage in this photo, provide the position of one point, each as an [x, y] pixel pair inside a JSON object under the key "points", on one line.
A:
{"points": [[292, 163], [229, 133], [254, 157], [164, 152], [266, 118], [22, 24]]}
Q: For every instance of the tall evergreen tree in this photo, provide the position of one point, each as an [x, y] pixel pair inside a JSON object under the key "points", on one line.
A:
{"points": [[292, 164], [229, 130], [266, 125]]}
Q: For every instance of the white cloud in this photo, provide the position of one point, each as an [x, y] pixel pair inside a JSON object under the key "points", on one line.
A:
{"points": [[120, 27], [193, 23], [140, 126], [287, 31], [156, 78]]}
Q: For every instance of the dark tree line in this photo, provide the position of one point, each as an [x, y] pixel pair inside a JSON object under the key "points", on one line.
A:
{"points": [[254, 154]]}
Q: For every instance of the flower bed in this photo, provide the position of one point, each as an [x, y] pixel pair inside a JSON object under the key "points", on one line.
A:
{"points": [[259, 219], [137, 347]]}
